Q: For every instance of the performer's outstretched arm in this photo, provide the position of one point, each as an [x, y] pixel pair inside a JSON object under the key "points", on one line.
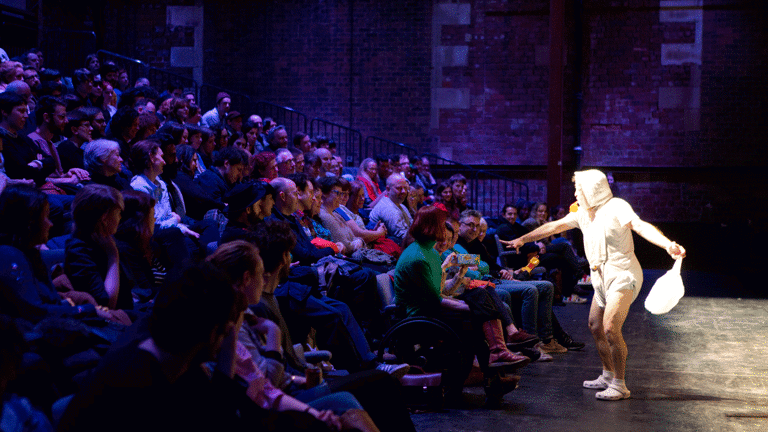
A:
{"points": [[546, 230], [653, 235]]}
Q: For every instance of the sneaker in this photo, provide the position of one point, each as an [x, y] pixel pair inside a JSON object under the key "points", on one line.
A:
{"points": [[586, 280], [396, 370], [532, 353], [600, 383], [552, 347], [566, 341], [613, 393], [574, 299]]}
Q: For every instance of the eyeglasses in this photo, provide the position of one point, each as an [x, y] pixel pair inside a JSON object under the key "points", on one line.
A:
{"points": [[471, 225]]}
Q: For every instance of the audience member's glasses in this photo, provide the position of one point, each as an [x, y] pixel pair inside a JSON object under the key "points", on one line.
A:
{"points": [[471, 225]]}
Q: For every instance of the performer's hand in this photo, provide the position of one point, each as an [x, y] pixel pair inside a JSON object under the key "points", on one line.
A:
{"points": [[676, 251], [515, 244]]}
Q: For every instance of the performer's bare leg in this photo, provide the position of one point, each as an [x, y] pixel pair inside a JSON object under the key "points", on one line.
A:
{"points": [[616, 310], [596, 316]]}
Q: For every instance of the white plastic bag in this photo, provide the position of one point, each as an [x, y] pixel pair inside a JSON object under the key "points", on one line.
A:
{"points": [[666, 292]]}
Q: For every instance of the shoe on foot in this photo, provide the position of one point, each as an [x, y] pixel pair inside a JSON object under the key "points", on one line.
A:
{"points": [[613, 393], [521, 339], [574, 299], [396, 370], [598, 384], [552, 347], [568, 342], [533, 354]]}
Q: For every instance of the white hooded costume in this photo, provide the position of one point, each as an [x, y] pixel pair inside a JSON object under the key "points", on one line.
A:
{"points": [[607, 238]]}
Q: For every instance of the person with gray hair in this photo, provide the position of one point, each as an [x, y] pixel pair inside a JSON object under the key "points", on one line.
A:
{"points": [[391, 210], [285, 162], [103, 162], [277, 138]]}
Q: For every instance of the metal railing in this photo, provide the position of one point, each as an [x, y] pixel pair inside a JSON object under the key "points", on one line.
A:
{"points": [[65, 50], [376, 146], [491, 191], [240, 102], [349, 142], [294, 121], [159, 79]]}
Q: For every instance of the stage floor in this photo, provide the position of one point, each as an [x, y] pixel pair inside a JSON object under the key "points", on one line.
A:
{"points": [[701, 367]]}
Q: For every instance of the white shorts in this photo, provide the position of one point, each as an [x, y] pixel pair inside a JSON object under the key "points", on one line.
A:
{"points": [[608, 279]]}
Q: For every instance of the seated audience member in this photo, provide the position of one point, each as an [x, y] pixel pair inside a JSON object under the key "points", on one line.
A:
{"points": [[161, 375], [221, 137], [333, 196], [82, 81], [357, 289], [196, 199], [141, 268], [418, 287], [194, 115], [226, 172], [10, 71], [285, 162], [235, 121], [102, 160], [337, 166], [92, 261], [145, 105], [312, 165], [148, 125], [26, 289], [51, 118], [374, 385], [425, 174], [250, 132], [22, 89], [376, 237], [147, 161], [179, 110], [368, 175], [444, 195], [98, 122], [509, 228], [79, 132], [264, 166], [326, 162], [247, 205], [241, 262], [538, 216], [384, 169], [459, 189], [219, 113], [391, 210], [179, 132], [22, 158], [415, 198], [294, 196], [122, 128], [277, 138], [515, 337], [206, 149], [298, 159], [163, 104], [302, 142], [17, 413], [468, 233]]}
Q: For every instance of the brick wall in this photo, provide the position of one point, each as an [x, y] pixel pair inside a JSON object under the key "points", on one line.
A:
{"points": [[673, 100]]}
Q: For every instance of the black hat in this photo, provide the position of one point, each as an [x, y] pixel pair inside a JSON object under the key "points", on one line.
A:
{"points": [[245, 195]]}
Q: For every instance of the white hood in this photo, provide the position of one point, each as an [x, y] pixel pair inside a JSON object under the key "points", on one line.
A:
{"points": [[595, 186]]}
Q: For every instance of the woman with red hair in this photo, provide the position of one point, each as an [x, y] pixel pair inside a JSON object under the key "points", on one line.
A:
{"points": [[418, 287]]}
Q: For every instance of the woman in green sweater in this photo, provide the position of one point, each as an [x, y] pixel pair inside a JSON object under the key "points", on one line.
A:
{"points": [[418, 285]]}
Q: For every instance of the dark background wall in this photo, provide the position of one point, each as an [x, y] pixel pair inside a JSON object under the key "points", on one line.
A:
{"points": [[684, 137]]}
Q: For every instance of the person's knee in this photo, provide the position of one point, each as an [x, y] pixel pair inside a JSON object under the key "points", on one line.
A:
{"points": [[612, 333], [596, 327]]}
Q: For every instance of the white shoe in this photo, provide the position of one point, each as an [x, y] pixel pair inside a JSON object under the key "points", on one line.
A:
{"points": [[396, 370], [599, 384], [575, 299], [613, 393]]}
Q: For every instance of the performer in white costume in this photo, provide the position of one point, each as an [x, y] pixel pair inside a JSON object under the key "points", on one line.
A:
{"points": [[607, 225]]}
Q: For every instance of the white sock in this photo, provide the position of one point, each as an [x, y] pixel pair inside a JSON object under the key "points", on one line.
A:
{"points": [[608, 375], [619, 383]]}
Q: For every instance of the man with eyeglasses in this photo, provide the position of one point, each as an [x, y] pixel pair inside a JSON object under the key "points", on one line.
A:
{"points": [[391, 210]]}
